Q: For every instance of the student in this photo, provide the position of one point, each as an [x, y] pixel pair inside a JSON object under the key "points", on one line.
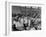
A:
{"points": [[25, 23], [14, 28]]}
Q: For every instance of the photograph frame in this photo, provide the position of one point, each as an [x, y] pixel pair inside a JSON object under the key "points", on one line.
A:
{"points": [[8, 4]]}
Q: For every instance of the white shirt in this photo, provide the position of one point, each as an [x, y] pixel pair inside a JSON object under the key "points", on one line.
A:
{"points": [[17, 24], [25, 20]]}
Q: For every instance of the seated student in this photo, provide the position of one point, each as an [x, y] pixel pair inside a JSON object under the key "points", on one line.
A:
{"points": [[28, 24], [14, 28], [36, 24], [25, 23], [18, 25]]}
